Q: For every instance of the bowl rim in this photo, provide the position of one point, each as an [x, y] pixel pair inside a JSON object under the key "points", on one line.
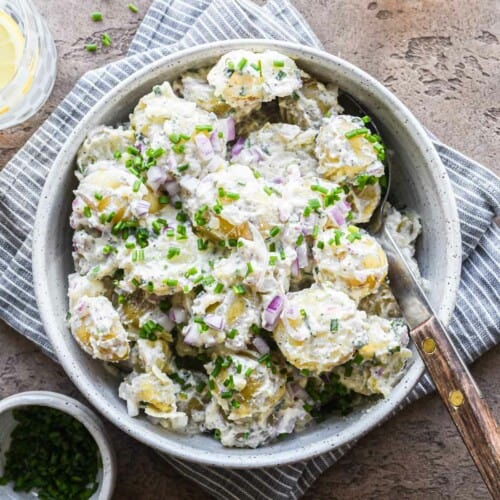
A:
{"points": [[84, 415], [224, 457]]}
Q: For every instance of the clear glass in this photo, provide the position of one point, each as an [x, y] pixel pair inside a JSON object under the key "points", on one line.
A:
{"points": [[35, 74]]}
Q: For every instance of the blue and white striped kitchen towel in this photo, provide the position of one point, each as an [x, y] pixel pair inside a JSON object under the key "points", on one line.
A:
{"points": [[171, 25]]}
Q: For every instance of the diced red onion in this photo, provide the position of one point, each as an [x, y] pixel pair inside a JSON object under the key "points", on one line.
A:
{"points": [[302, 257], [140, 208], [204, 146], [344, 206], [298, 391], [156, 177], [215, 140], [295, 268], [404, 339], [174, 199], [376, 168], [172, 188], [166, 322], [189, 183], [214, 321], [335, 215], [272, 312], [261, 345], [177, 315], [257, 153], [230, 128], [285, 211], [215, 163], [238, 146], [172, 163], [192, 336], [309, 223]]}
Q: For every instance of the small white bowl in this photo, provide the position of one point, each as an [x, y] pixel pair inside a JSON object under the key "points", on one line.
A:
{"points": [[107, 474]]}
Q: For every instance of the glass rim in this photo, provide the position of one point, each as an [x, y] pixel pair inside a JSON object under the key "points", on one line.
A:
{"points": [[26, 12]]}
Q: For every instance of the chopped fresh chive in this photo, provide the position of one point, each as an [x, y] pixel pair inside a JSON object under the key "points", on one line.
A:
{"points": [[91, 47], [282, 254], [274, 231], [278, 64], [356, 132], [314, 204], [132, 150], [105, 40], [334, 325], [226, 394], [315, 231], [174, 138], [181, 216], [235, 404], [268, 190], [190, 272], [172, 252], [232, 242], [150, 287], [320, 245], [87, 212], [233, 196], [272, 247], [264, 358], [130, 245], [117, 155], [273, 260], [248, 372], [280, 75], [164, 200], [219, 288], [106, 249], [249, 268], [136, 186], [258, 66], [132, 8], [183, 167], [300, 239], [366, 119], [358, 359], [171, 282], [232, 333], [338, 235], [303, 313], [202, 244], [178, 148], [204, 128], [307, 211], [239, 289], [305, 372], [242, 63], [319, 189]]}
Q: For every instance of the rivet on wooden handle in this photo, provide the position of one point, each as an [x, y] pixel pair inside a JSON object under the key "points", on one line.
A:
{"points": [[456, 399], [428, 345]]}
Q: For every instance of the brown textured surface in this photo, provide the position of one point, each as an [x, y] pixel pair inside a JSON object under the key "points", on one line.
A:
{"points": [[442, 59]]}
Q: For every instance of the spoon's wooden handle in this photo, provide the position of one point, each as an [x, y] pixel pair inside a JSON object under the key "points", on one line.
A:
{"points": [[463, 400]]}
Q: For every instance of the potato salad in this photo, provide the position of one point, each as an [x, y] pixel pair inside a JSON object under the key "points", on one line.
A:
{"points": [[222, 262]]}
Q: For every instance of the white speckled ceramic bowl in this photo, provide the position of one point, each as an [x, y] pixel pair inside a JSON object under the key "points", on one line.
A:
{"points": [[107, 474], [420, 182]]}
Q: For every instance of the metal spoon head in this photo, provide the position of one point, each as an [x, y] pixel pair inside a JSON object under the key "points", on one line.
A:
{"points": [[353, 107]]}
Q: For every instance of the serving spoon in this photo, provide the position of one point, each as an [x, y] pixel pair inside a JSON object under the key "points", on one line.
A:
{"points": [[454, 383]]}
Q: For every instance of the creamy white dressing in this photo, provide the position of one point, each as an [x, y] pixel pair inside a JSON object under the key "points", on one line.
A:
{"points": [[226, 275]]}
